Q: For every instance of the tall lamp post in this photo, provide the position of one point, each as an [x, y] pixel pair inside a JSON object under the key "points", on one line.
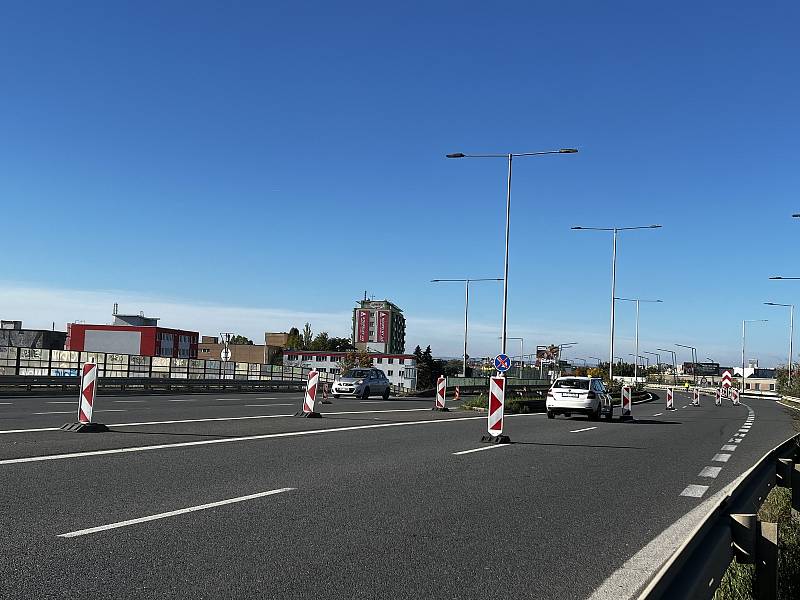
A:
{"points": [[521, 351], [466, 283], [637, 301], [615, 231], [791, 327], [599, 360], [674, 364], [509, 156], [658, 361], [694, 359], [744, 335]]}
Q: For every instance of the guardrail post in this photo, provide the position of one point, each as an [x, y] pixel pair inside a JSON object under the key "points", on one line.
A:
{"points": [[766, 581], [783, 472], [743, 532]]}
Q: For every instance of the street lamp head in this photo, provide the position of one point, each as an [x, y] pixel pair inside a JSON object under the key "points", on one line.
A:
{"points": [[568, 151], [456, 155], [655, 226], [576, 227]]}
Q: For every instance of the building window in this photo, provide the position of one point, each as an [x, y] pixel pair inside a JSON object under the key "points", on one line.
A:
{"points": [[771, 387], [320, 359], [391, 373], [391, 361], [205, 350], [401, 361], [379, 360], [306, 357]]}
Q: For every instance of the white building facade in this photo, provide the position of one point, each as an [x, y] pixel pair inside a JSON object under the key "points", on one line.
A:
{"points": [[400, 369]]}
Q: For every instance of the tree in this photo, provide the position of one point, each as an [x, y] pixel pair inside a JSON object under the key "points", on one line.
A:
{"points": [[293, 340], [356, 358], [240, 340], [340, 344], [307, 336], [320, 342], [427, 370]]}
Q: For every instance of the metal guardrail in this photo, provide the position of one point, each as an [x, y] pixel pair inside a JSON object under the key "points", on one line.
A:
{"points": [[695, 570]]}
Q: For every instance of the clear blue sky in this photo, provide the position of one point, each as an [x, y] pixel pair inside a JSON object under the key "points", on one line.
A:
{"points": [[287, 156]]}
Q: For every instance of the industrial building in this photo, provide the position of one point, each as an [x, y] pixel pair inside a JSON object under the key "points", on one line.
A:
{"points": [[13, 335], [210, 348]]}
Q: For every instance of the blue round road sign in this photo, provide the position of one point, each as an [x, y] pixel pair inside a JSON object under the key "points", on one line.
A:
{"points": [[502, 363]]}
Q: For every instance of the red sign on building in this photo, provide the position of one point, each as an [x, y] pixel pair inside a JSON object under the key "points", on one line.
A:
{"points": [[363, 325], [383, 325]]}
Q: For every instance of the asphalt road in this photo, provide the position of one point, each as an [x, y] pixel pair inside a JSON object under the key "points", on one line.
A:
{"points": [[377, 499]]}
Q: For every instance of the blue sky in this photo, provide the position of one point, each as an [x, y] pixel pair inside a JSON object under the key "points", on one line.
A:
{"points": [[251, 166]]}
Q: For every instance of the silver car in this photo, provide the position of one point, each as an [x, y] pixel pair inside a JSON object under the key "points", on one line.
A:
{"points": [[362, 382]]}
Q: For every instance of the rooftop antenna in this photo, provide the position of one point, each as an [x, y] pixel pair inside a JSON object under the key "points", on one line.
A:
{"points": [[116, 309]]}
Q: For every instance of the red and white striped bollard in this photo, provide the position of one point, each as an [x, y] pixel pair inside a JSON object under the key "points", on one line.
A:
{"points": [[497, 399]]}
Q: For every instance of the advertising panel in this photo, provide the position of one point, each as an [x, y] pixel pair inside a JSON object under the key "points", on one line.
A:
{"points": [[383, 326], [362, 317], [546, 354]]}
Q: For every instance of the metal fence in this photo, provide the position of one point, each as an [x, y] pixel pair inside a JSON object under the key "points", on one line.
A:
{"points": [[67, 363]]}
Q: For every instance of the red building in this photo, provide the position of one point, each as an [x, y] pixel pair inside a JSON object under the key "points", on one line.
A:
{"points": [[144, 340]]}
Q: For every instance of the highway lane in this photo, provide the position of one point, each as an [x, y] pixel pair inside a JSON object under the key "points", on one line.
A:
{"points": [[392, 511]]}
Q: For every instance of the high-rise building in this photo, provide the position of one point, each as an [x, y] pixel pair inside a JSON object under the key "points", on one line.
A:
{"points": [[379, 326]]}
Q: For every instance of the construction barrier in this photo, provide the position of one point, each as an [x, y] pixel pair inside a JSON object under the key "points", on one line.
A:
{"points": [[441, 392], [718, 397], [626, 403], [310, 399], [735, 396], [696, 397], [86, 402], [670, 399], [457, 394], [497, 398]]}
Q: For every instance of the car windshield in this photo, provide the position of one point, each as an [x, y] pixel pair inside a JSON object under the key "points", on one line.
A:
{"points": [[580, 384], [357, 373]]}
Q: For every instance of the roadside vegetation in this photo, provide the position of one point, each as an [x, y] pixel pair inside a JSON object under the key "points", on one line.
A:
{"points": [[516, 402]]}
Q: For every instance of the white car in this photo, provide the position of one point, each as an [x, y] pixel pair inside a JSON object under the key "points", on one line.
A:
{"points": [[582, 395]]}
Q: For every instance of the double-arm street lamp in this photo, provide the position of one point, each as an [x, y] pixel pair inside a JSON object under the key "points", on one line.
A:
{"points": [[694, 359], [791, 322], [615, 231], [658, 361], [637, 301], [599, 360], [466, 283], [509, 156], [674, 364]]}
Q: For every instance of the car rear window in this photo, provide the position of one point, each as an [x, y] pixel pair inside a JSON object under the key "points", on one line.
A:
{"points": [[579, 384]]}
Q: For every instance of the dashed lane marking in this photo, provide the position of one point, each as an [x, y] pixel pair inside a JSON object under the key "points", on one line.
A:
{"points": [[710, 472], [694, 491], [721, 458], [492, 447], [584, 429]]}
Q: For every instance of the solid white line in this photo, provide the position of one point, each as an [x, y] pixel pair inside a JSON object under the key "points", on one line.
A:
{"points": [[584, 429], [267, 405], [248, 438], [129, 401], [694, 491], [480, 449], [6, 403], [171, 513], [69, 412], [111, 410], [183, 400], [728, 448], [786, 405], [658, 414], [270, 398], [721, 458], [710, 472], [63, 402], [209, 419]]}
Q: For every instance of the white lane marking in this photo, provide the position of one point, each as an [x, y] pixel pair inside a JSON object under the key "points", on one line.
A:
{"points": [[129, 401], [584, 429], [63, 402], [730, 441], [248, 438], [112, 410], [268, 405], [373, 401], [492, 447], [209, 419], [55, 412], [744, 430], [728, 448], [721, 458], [171, 513], [270, 398], [737, 440], [182, 400], [658, 414], [694, 491], [786, 405], [687, 406], [6, 403], [710, 472]]}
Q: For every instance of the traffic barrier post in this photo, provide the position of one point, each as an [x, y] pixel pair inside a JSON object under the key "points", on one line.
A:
{"points": [[441, 392], [696, 397], [86, 400], [718, 397], [326, 387], [310, 400], [670, 399], [735, 396], [626, 403], [497, 396], [457, 394]]}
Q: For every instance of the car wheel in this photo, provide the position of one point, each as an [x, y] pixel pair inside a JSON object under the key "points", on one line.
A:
{"points": [[610, 414], [365, 393], [551, 414], [386, 394], [595, 414]]}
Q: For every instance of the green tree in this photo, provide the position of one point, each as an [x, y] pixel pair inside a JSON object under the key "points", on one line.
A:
{"points": [[294, 341], [340, 344], [321, 341], [307, 336], [240, 340], [356, 358]]}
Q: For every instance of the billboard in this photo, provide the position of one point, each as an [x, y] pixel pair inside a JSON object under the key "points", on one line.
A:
{"points": [[362, 325], [546, 354], [705, 369], [383, 326]]}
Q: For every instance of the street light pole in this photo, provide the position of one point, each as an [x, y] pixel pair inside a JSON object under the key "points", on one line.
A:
{"points": [[509, 156], [658, 361], [637, 301], [614, 230], [466, 307], [694, 360], [674, 364], [744, 335], [791, 333]]}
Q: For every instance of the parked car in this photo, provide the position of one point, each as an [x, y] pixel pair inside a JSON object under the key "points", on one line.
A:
{"points": [[362, 383], [581, 395]]}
